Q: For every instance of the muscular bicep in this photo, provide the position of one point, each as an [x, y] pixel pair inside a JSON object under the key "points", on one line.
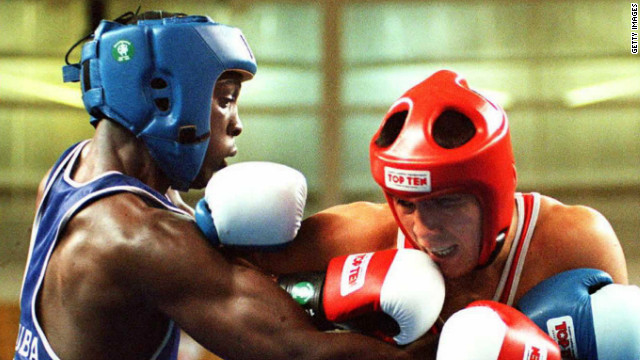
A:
{"points": [[222, 305], [218, 303]]}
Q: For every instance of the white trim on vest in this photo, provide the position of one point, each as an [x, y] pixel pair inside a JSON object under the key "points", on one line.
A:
{"points": [[514, 246]]}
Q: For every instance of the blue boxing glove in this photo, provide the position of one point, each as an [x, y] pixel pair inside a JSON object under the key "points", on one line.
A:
{"points": [[252, 205], [589, 317], [561, 306]]}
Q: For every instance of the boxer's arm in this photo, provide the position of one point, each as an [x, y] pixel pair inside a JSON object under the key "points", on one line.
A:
{"points": [[336, 231], [231, 310]]}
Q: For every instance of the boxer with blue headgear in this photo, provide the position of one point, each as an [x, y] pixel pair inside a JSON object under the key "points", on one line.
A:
{"points": [[156, 78], [115, 268]]}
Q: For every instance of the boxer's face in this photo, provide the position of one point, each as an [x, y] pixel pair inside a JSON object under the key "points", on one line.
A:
{"points": [[225, 126], [447, 227]]}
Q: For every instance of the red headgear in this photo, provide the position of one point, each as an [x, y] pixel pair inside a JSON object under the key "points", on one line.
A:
{"points": [[407, 162]]}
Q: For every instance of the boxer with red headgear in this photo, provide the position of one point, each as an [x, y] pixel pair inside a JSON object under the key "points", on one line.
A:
{"points": [[442, 138], [443, 158]]}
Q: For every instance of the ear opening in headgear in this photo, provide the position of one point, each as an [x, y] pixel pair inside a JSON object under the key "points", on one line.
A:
{"points": [[391, 129], [162, 103], [158, 83], [452, 129]]}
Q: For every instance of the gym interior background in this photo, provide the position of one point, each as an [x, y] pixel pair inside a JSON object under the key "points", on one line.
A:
{"points": [[327, 72]]}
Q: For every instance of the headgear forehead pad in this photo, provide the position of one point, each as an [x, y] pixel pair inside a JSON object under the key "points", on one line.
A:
{"points": [[440, 138], [156, 78]]}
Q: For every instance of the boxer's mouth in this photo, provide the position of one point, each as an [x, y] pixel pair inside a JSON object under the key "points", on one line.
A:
{"points": [[233, 151], [444, 251]]}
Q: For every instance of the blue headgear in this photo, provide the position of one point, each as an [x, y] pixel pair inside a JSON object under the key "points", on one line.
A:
{"points": [[156, 78]]}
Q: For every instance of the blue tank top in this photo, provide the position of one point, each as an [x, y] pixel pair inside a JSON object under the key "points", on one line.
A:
{"points": [[61, 200]]}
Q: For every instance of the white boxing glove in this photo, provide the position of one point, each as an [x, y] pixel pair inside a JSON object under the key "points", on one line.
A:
{"points": [[253, 204], [488, 330]]}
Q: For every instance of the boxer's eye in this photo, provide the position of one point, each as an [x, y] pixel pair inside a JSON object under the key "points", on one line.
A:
{"points": [[225, 101], [449, 201], [406, 206]]}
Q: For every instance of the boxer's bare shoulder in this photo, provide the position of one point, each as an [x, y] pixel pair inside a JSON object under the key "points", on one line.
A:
{"points": [[96, 284], [568, 237]]}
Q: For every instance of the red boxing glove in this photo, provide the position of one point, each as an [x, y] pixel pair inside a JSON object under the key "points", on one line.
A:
{"points": [[488, 330], [405, 285]]}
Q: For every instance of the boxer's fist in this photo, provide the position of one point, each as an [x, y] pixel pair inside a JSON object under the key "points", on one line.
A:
{"points": [[488, 330], [406, 285], [589, 317], [253, 204]]}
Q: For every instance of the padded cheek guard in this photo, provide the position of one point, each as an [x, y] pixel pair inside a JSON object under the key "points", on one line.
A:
{"points": [[413, 166], [156, 78]]}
